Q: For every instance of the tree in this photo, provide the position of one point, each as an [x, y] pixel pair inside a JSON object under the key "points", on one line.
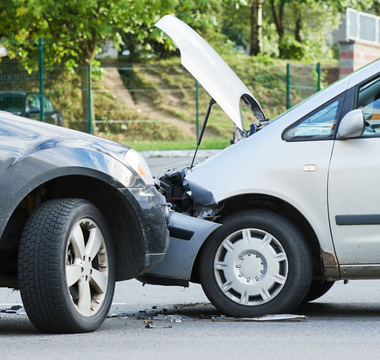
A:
{"points": [[256, 28], [141, 35], [76, 27], [278, 19], [303, 26]]}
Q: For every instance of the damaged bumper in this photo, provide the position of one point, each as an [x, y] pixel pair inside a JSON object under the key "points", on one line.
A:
{"points": [[153, 217], [187, 235]]}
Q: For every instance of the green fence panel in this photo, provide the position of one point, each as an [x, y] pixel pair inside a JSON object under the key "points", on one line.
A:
{"points": [[302, 81]]}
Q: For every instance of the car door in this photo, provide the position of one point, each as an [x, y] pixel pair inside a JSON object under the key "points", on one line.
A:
{"points": [[354, 185]]}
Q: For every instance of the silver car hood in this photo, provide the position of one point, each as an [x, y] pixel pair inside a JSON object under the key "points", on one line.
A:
{"points": [[212, 72]]}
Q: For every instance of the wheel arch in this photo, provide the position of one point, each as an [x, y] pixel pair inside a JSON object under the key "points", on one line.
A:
{"points": [[102, 190], [270, 203]]}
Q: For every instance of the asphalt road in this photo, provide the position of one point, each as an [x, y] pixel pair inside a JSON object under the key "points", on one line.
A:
{"points": [[343, 324]]}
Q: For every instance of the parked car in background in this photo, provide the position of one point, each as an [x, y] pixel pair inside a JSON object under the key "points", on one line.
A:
{"points": [[77, 214], [290, 207], [29, 105]]}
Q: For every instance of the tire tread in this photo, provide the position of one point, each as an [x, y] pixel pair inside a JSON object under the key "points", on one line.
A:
{"points": [[40, 283]]}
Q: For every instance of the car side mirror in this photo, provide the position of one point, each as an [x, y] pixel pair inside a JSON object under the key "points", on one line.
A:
{"points": [[352, 125]]}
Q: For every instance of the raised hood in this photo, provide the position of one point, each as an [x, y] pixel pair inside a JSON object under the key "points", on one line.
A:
{"points": [[212, 72]]}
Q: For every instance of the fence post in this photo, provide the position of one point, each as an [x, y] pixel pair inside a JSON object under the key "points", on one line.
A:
{"points": [[196, 107], [287, 86], [89, 101], [319, 76], [41, 77]]}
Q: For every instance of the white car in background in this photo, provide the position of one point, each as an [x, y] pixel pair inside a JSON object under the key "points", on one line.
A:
{"points": [[290, 207]]}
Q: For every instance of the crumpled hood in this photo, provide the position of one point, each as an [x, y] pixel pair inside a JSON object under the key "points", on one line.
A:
{"points": [[212, 72]]}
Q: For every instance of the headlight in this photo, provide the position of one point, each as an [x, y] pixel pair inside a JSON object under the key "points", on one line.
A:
{"points": [[139, 164]]}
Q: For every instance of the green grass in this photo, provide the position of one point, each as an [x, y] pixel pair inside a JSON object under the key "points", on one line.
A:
{"points": [[212, 143]]}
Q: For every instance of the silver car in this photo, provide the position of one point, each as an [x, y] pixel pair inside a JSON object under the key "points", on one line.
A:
{"points": [[287, 209]]}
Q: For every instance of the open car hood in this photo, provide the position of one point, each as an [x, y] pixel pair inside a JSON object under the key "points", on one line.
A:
{"points": [[212, 72]]}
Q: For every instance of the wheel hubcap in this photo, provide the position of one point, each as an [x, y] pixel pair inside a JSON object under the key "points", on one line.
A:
{"points": [[251, 267], [87, 267]]}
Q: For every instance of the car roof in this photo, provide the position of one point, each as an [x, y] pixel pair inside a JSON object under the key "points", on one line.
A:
{"points": [[12, 92]]}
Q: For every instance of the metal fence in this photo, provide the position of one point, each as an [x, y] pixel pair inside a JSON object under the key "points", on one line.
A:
{"points": [[116, 98], [149, 94], [20, 74], [302, 81], [136, 101]]}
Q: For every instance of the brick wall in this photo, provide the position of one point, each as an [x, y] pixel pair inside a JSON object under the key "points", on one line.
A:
{"points": [[354, 54]]}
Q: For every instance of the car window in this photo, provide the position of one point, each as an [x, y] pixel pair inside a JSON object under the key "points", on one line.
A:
{"points": [[12, 103], [319, 125], [32, 102], [369, 102], [47, 105]]}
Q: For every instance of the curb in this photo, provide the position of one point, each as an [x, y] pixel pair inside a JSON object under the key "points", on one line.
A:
{"points": [[178, 153]]}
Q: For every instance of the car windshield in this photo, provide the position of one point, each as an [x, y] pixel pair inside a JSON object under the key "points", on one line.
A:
{"points": [[12, 103]]}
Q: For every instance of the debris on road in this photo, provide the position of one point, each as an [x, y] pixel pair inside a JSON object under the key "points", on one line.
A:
{"points": [[15, 309], [149, 324], [276, 317], [171, 318], [119, 316]]}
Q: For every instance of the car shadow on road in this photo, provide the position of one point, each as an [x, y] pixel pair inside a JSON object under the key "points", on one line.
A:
{"points": [[313, 310], [340, 310]]}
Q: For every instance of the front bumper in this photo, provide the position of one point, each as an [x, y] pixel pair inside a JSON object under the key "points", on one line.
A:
{"points": [[187, 235], [153, 216]]}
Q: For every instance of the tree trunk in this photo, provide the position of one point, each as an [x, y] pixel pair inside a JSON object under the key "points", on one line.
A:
{"points": [[256, 28], [297, 30], [279, 22], [83, 73], [298, 27]]}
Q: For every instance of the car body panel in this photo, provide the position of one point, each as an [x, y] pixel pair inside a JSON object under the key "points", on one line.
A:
{"points": [[185, 250], [258, 160], [322, 179], [34, 153], [351, 194], [257, 148], [212, 72]]}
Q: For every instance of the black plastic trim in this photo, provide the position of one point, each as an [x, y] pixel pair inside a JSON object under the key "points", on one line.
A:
{"points": [[371, 219], [160, 280], [179, 233]]}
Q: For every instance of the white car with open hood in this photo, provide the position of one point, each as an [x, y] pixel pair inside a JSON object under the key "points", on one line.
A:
{"points": [[290, 207]]}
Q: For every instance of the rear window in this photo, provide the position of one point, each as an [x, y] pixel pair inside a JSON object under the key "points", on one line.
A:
{"points": [[12, 103]]}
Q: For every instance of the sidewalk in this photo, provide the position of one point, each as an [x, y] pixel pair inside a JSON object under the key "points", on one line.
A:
{"points": [[178, 153]]}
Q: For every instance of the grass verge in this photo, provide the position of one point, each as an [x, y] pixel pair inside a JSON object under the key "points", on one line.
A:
{"points": [[211, 143]]}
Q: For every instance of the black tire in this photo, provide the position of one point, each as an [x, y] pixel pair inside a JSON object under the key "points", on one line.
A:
{"points": [[66, 288], [262, 246], [317, 290]]}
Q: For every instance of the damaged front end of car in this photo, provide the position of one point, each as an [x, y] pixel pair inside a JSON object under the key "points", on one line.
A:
{"points": [[194, 212]]}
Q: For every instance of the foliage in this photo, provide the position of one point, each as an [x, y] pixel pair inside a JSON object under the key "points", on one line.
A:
{"points": [[144, 40], [316, 20]]}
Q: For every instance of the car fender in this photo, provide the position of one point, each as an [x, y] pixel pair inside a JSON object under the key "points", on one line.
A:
{"points": [[21, 177]]}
